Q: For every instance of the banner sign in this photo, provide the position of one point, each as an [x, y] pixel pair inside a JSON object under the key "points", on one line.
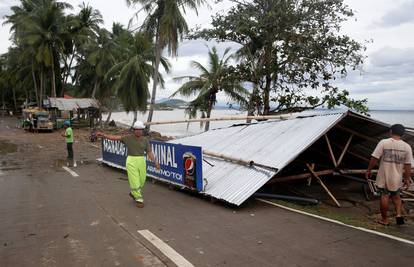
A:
{"points": [[180, 164]]}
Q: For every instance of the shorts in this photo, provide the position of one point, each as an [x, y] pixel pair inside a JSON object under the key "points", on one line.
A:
{"points": [[385, 191]]}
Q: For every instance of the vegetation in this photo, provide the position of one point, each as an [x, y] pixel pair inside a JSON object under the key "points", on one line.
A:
{"points": [[291, 54], [212, 80]]}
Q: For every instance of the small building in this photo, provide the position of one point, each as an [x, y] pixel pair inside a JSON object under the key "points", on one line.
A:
{"points": [[241, 159], [81, 111]]}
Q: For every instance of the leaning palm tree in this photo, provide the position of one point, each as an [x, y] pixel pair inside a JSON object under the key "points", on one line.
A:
{"points": [[102, 58], [210, 82], [132, 75], [165, 22]]}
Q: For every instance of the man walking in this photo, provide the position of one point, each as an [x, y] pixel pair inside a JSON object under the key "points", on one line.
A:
{"points": [[395, 157], [137, 145], [69, 139]]}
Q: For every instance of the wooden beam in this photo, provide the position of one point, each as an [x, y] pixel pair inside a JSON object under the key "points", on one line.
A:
{"points": [[298, 176], [357, 133], [356, 171], [345, 149], [408, 193], [322, 184], [330, 150]]}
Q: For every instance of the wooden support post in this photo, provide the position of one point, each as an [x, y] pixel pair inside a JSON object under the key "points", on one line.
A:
{"points": [[345, 149], [322, 184], [330, 150]]}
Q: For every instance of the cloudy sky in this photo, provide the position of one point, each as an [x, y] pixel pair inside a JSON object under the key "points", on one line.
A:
{"points": [[387, 79]]}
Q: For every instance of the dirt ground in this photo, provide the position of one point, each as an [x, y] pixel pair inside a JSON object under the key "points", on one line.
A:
{"points": [[49, 218]]}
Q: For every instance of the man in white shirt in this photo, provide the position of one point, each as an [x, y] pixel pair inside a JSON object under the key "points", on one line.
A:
{"points": [[395, 157]]}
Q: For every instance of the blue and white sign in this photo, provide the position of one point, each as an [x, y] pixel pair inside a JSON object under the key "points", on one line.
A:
{"points": [[180, 164]]}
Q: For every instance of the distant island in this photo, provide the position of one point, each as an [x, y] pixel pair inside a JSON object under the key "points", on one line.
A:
{"points": [[170, 104]]}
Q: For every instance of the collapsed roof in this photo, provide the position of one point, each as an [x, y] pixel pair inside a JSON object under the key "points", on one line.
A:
{"points": [[282, 148]]}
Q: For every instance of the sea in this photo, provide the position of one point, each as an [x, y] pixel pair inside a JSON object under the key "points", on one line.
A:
{"points": [[405, 117]]}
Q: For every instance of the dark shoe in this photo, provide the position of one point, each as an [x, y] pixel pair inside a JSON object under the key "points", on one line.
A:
{"points": [[399, 220], [140, 204], [130, 194]]}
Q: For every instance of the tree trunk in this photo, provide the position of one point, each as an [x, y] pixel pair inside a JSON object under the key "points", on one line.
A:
{"points": [[95, 87], [35, 85], [252, 102], [3, 101], [14, 100], [53, 79], [109, 116], [67, 74], [266, 97], [135, 118], [41, 88], [210, 107], [158, 51]]}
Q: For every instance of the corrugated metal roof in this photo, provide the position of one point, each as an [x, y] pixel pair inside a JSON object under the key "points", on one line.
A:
{"points": [[274, 144], [73, 104]]}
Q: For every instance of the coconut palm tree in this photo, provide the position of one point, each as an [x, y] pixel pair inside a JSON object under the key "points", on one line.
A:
{"points": [[102, 58], [132, 75], [83, 29], [44, 30], [166, 24], [212, 80]]}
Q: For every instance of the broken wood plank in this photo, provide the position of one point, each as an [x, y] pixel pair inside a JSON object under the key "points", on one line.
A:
{"points": [[357, 171], [323, 185], [330, 150], [408, 193], [345, 150]]}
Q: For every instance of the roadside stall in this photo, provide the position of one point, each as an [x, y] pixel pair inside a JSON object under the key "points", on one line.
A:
{"points": [[80, 111]]}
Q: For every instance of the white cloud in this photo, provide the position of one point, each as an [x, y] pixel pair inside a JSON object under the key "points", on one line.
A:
{"points": [[402, 14]]}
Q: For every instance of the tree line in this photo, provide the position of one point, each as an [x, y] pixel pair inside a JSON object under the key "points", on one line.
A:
{"points": [[291, 55]]}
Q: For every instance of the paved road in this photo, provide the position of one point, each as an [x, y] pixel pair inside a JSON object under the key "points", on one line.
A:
{"points": [[50, 218]]}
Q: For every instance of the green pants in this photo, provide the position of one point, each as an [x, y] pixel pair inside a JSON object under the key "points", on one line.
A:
{"points": [[137, 173]]}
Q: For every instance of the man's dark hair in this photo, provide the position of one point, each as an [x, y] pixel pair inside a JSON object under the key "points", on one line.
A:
{"points": [[397, 129]]}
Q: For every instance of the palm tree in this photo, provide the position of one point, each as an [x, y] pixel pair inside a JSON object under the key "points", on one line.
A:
{"points": [[83, 28], [102, 58], [210, 82], [165, 22], [133, 74], [44, 29]]}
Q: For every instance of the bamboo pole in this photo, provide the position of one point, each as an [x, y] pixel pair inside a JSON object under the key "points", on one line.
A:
{"points": [[408, 193], [234, 118], [238, 160], [330, 150], [323, 185], [344, 150]]}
